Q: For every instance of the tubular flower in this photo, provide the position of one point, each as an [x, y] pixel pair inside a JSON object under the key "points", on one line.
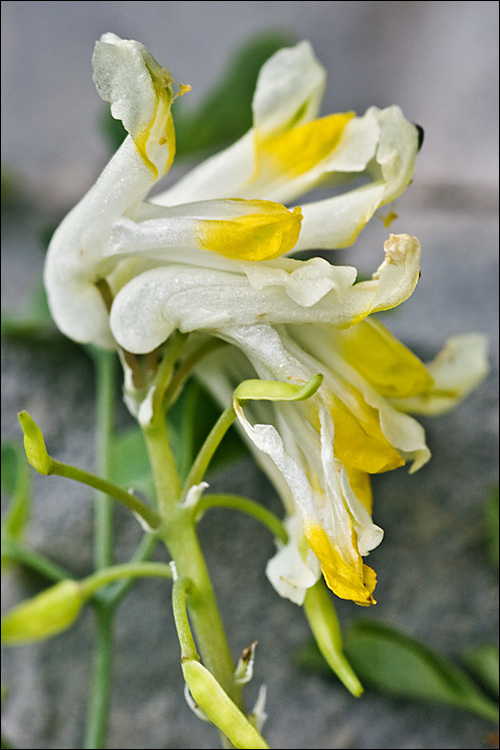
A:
{"points": [[210, 257], [229, 210]]}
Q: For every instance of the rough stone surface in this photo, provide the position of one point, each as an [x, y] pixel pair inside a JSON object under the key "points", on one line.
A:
{"points": [[438, 61]]}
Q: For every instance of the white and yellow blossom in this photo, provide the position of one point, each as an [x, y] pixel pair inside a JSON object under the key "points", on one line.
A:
{"points": [[207, 257], [230, 208]]}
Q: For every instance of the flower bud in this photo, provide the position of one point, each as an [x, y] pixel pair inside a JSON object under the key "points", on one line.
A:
{"points": [[43, 616], [34, 444]]}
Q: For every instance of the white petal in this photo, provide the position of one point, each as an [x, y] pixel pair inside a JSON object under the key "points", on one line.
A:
{"points": [[292, 571], [289, 89], [74, 257]]}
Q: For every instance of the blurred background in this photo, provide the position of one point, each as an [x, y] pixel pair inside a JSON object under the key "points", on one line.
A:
{"points": [[439, 62]]}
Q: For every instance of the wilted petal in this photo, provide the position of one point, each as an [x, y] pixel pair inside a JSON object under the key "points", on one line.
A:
{"points": [[458, 368]]}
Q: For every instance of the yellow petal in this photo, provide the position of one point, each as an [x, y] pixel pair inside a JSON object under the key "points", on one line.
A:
{"points": [[354, 581], [264, 230], [392, 369], [300, 149], [359, 440], [361, 485]]}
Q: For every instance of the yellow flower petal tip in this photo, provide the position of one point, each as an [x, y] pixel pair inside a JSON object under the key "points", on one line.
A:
{"points": [[263, 230], [298, 150], [348, 580], [34, 444]]}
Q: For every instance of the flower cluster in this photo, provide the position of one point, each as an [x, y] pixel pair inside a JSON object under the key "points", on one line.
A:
{"points": [[211, 257]]}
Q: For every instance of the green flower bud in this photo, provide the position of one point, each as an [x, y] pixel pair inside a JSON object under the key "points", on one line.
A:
{"points": [[43, 616], [219, 707], [34, 444]]}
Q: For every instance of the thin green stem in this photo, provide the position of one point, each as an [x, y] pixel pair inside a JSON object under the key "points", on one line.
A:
{"points": [[244, 505], [207, 450], [102, 667], [179, 534], [143, 551], [179, 593], [108, 488], [13, 550], [105, 364], [185, 368], [128, 571], [164, 374], [102, 662]]}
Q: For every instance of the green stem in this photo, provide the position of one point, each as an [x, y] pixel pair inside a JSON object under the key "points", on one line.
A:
{"points": [[244, 505], [108, 488], [105, 364], [102, 663], [127, 570], [184, 370], [179, 592], [207, 450], [102, 667], [143, 551], [179, 534], [12, 550], [164, 375]]}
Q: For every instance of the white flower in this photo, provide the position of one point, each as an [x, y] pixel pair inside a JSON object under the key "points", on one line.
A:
{"points": [[203, 221], [207, 256]]}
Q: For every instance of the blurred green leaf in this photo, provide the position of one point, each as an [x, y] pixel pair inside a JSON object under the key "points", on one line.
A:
{"points": [[130, 463], [11, 187], [483, 661], [225, 113], [35, 323], [395, 664], [492, 521], [191, 419], [15, 477]]}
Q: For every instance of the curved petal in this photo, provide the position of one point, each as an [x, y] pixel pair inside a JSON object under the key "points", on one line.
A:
{"points": [[289, 89], [288, 93], [458, 368], [151, 305], [235, 229], [140, 93]]}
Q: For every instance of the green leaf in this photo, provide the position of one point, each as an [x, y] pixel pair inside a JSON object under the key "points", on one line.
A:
{"points": [[395, 664], [129, 462], [15, 483], [483, 662], [190, 421], [225, 114], [492, 525], [35, 323]]}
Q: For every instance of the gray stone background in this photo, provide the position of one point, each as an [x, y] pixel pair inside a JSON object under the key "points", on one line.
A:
{"points": [[439, 61]]}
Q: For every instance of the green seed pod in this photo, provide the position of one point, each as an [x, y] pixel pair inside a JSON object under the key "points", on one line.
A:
{"points": [[219, 707], [275, 390], [47, 614]]}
